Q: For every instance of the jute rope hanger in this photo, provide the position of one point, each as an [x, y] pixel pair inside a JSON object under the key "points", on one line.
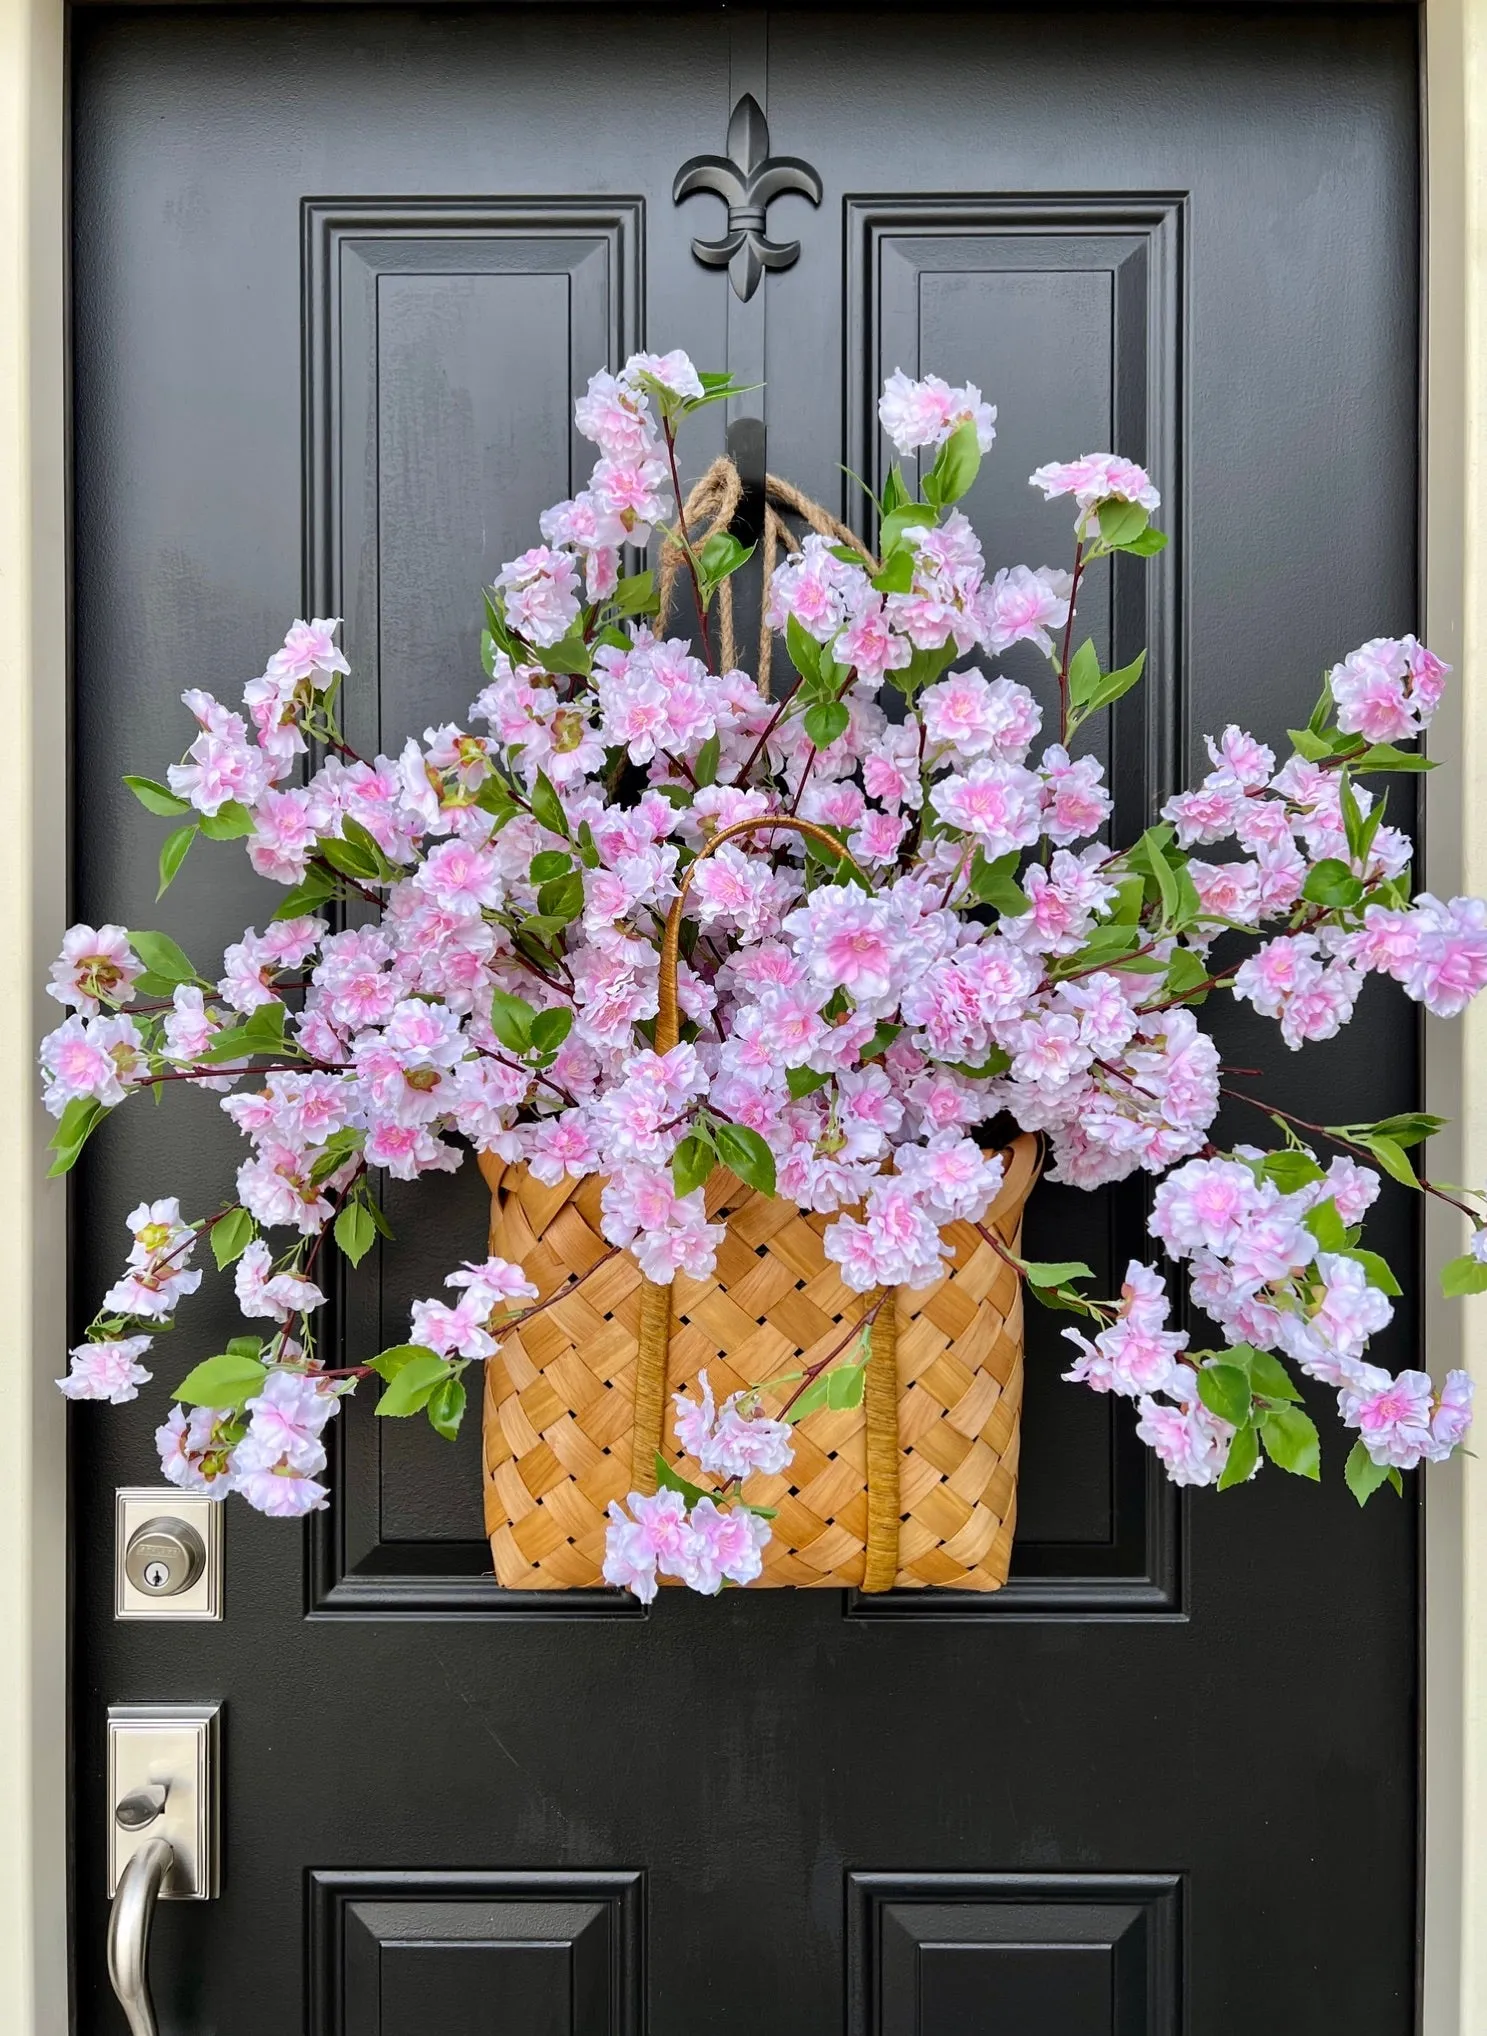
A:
{"points": [[711, 507]]}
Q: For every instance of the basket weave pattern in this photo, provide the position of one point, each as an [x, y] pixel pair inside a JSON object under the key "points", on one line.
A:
{"points": [[559, 1397]]}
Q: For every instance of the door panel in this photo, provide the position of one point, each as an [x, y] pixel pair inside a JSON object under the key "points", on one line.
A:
{"points": [[337, 278]]}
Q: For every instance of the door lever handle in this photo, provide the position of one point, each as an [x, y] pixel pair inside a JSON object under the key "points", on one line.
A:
{"points": [[129, 1923]]}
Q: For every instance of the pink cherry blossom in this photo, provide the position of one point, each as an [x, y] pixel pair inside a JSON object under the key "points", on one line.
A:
{"points": [[95, 967], [926, 412], [733, 1443], [998, 803], [108, 1370], [1098, 477]]}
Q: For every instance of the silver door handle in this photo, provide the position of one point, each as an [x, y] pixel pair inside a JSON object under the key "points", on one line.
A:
{"points": [[129, 1923]]}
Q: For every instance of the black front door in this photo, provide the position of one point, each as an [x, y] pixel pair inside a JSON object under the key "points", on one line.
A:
{"points": [[338, 275]]}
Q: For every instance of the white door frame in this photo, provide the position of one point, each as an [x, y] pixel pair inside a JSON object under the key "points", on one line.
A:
{"points": [[33, 790]]}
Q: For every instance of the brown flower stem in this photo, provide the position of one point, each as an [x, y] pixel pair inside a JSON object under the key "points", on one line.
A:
{"points": [[1063, 663], [685, 546], [813, 1372], [1336, 1138]]}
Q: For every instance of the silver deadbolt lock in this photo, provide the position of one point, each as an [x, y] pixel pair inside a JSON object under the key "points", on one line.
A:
{"points": [[164, 1556], [167, 1554]]}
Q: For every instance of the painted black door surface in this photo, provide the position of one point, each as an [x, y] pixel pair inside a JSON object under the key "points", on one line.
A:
{"points": [[337, 277]]}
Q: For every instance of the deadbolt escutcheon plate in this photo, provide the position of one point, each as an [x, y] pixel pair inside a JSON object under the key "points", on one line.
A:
{"points": [[167, 1554]]}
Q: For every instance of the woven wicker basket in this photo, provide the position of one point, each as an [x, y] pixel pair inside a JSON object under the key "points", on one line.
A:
{"points": [[918, 1485], [944, 1390]]}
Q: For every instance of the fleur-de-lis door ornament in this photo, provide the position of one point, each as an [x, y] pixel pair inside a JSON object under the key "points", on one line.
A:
{"points": [[747, 179]]}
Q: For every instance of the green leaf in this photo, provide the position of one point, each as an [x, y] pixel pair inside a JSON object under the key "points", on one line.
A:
{"points": [[1383, 756], [826, 721], [996, 1063], [897, 575], [413, 1383], [1054, 1273], [562, 899], [355, 1232], [173, 854], [1153, 842], [1107, 944], [494, 797], [157, 798], [1464, 1275], [1291, 1170], [1290, 1439], [1410, 1129], [572, 656], [553, 862], [1186, 972], [692, 1162], [805, 652], [1225, 1390], [1326, 1226], [954, 472], [1267, 1375], [844, 1386], [1380, 1272], [76, 1125], [1115, 684], [162, 957], [231, 822], [1084, 673], [1332, 883], [1309, 744], [1121, 522], [551, 1028], [1146, 544], [923, 668], [388, 1363], [446, 1408], [634, 595], [884, 1033], [245, 1346], [895, 494], [1244, 1454], [311, 891], [671, 1480], [224, 1381], [721, 556], [811, 1401], [335, 1152], [1363, 1475], [547, 808], [897, 525], [705, 763], [511, 1020], [804, 1081], [994, 884], [232, 1236], [349, 858], [1392, 1158], [746, 1153]]}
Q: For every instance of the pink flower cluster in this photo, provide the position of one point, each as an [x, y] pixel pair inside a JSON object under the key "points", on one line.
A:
{"points": [[956, 941], [1259, 1269], [704, 1546]]}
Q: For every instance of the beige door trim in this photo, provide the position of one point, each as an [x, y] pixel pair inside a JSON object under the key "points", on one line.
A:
{"points": [[1455, 1620], [33, 675], [33, 1519]]}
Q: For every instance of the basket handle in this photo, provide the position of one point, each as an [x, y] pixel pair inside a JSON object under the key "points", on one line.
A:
{"points": [[655, 1301], [668, 1026]]}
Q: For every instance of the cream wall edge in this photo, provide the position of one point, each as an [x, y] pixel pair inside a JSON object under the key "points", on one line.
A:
{"points": [[1455, 602], [33, 1698], [33, 609]]}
